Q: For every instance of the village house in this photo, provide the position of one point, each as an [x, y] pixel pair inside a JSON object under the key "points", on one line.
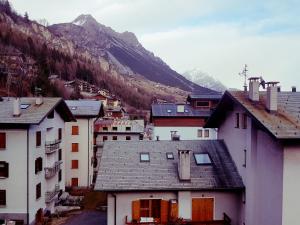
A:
{"points": [[161, 181], [32, 156], [79, 142], [185, 120], [262, 132]]}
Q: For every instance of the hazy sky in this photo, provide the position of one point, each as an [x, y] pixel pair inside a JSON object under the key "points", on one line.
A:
{"points": [[218, 37]]}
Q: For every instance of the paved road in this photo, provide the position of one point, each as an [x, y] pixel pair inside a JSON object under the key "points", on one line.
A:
{"points": [[88, 218]]}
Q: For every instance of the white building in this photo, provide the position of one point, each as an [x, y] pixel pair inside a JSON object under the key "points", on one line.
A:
{"points": [[31, 156], [79, 142]]}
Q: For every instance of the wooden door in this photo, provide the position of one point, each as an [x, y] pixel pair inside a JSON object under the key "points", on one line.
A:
{"points": [[74, 182], [202, 209], [39, 216]]}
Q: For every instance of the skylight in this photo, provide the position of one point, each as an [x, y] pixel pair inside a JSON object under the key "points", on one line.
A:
{"points": [[170, 155], [24, 106], [202, 158], [169, 110], [73, 107], [145, 157]]}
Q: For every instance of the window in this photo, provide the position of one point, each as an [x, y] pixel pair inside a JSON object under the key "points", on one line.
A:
{"points": [[144, 157], [51, 115], [202, 158], [170, 155], [38, 191], [74, 164], [59, 175], [200, 133], [237, 120], [206, 133], [74, 182], [38, 165], [38, 137], [24, 106], [150, 208], [75, 130], [169, 110], [2, 197], [245, 158], [4, 169], [128, 138], [245, 121], [128, 128], [75, 147], [59, 133], [114, 128], [105, 128], [204, 104], [115, 138], [104, 138], [59, 154], [141, 137], [2, 140]]}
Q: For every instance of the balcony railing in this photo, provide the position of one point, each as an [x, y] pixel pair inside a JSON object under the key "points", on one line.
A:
{"points": [[50, 195], [51, 171], [52, 146]]}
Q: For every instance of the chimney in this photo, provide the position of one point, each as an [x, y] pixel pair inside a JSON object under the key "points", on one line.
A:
{"points": [[157, 138], [184, 165], [180, 108], [39, 100], [278, 89], [254, 88], [16, 107], [271, 101], [294, 89], [175, 136]]}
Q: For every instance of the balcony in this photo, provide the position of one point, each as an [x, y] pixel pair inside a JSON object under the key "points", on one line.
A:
{"points": [[50, 195], [52, 146], [51, 171]]}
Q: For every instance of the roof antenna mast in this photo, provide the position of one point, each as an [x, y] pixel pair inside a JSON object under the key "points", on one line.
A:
{"points": [[245, 75]]}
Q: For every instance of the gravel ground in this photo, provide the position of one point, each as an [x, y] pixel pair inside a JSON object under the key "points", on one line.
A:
{"points": [[87, 218]]}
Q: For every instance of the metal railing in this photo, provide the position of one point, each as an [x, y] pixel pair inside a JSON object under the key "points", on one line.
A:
{"points": [[51, 171], [52, 146], [50, 195]]}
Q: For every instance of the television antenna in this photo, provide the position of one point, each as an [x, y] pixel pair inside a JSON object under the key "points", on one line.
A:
{"points": [[244, 74]]}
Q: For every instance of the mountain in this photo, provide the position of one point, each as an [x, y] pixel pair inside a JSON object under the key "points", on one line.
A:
{"points": [[122, 51], [205, 80]]}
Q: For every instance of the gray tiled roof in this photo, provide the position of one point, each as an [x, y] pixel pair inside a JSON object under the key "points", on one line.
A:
{"points": [[121, 169], [84, 107], [170, 110], [284, 124], [34, 114]]}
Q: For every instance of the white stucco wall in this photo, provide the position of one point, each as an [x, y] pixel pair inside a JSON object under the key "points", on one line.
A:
{"points": [[186, 133], [291, 185], [84, 173]]}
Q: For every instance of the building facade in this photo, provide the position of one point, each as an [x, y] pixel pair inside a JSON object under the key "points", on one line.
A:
{"points": [[31, 156]]}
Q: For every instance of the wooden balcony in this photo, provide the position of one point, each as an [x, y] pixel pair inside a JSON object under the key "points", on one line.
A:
{"points": [[52, 146], [50, 195], [52, 171]]}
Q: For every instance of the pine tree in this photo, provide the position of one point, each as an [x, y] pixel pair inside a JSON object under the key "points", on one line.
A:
{"points": [[26, 17]]}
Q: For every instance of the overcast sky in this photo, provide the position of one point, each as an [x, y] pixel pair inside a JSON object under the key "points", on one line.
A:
{"points": [[217, 37]]}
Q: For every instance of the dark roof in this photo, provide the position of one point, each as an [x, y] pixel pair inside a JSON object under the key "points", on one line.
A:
{"points": [[121, 169], [85, 108], [34, 114], [170, 110], [283, 124]]}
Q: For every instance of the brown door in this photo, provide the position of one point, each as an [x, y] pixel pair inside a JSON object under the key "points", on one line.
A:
{"points": [[202, 209], [74, 182]]}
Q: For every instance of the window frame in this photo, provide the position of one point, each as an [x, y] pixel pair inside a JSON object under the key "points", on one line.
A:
{"points": [[5, 170], [128, 128], [170, 154], [128, 138], [237, 120], [114, 128], [202, 163], [3, 200], [244, 121], [73, 149], [59, 133], [200, 133], [38, 138], [75, 130], [206, 133], [38, 165], [144, 160], [74, 164], [38, 191], [3, 138], [114, 138], [202, 106]]}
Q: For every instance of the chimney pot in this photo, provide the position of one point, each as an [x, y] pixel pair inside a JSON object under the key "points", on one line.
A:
{"points": [[254, 88], [272, 92], [184, 165], [16, 107], [294, 89], [39, 100]]}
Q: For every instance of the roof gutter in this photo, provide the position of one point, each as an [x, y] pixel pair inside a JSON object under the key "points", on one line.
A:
{"points": [[27, 178]]}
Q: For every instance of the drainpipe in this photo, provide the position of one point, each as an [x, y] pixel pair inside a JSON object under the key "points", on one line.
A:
{"points": [[115, 203], [27, 165], [88, 178]]}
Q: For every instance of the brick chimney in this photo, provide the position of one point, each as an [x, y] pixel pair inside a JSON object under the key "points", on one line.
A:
{"points": [[184, 165], [16, 107], [272, 93], [254, 88]]}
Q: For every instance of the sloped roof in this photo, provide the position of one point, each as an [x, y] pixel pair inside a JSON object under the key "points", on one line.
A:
{"points": [[33, 114], [283, 124], [121, 169], [170, 110], [85, 108]]}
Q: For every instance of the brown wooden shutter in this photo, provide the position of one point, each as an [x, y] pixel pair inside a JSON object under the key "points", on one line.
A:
{"points": [[38, 138], [75, 147], [173, 210], [2, 140], [136, 210], [202, 209], [164, 208], [75, 130]]}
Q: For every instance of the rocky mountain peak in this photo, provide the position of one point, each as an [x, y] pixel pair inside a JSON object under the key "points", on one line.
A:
{"points": [[84, 19]]}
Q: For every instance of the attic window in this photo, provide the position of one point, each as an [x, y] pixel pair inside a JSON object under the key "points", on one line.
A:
{"points": [[169, 110], [145, 157], [24, 106], [170, 155], [202, 159]]}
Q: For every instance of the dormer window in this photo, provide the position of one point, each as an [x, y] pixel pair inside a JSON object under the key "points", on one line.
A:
{"points": [[145, 157], [170, 155], [202, 159]]}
